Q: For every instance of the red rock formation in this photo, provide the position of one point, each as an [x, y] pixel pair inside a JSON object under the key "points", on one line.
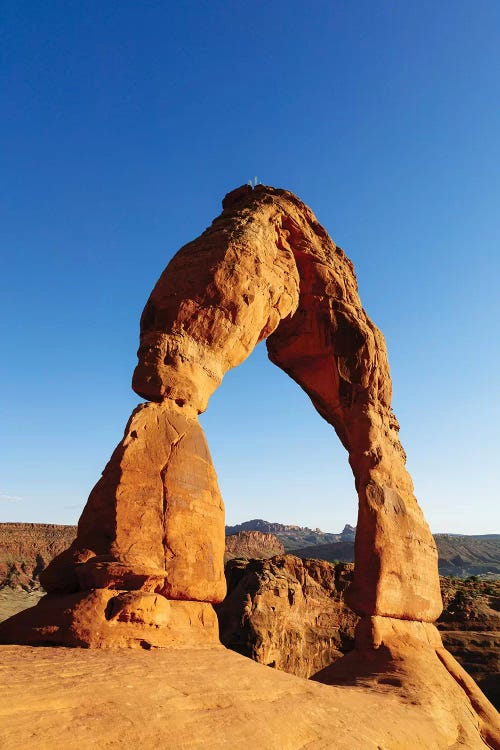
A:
{"points": [[292, 613], [267, 269], [252, 545], [287, 613]]}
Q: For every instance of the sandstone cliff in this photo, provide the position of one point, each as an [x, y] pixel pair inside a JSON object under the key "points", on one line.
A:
{"points": [[470, 629]]}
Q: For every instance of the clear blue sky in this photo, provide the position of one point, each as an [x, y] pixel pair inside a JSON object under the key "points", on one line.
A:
{"points": [[123, 126]]}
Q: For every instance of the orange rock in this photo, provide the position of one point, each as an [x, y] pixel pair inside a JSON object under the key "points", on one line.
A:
{"points": [[212, 698], [153, 525], [287, 613], [267, 269], [155, 519], [106, 618], [264, 269]]}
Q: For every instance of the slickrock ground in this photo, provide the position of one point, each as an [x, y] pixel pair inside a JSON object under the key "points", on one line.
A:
{"points": [[209, 699], [13, 601], [252, 545]]}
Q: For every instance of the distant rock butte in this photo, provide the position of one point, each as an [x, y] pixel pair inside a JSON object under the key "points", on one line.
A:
{"points": [[294, 536], [147, 563], [252, 545], [287, 613]]}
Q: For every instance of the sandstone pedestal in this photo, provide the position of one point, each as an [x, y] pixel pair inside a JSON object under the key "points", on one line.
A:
{"points": [[105, 618], [408, 660]]}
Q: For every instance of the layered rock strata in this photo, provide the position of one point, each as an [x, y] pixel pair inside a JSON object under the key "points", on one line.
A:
{"points": [[27, 548]]}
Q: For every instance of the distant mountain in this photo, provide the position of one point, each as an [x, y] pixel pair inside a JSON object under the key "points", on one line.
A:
{"points": [[470, 536], [26, 548], [460, 555], [294, 537]]}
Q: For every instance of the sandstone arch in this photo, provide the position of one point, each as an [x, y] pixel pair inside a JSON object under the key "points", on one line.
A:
{"points": [[267, 269]]}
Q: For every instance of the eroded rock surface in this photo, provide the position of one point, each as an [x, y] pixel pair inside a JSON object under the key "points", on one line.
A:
{"points": [[252, 545], [287, 613], [152, 532], [470, 629], [291, 613], [208, 699]]}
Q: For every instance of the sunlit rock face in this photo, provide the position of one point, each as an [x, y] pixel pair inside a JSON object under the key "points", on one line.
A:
{"points": [[252, 545], [287, 613]]}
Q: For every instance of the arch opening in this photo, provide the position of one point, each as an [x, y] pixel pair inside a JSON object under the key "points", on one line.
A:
{"points": [[275, 459]]}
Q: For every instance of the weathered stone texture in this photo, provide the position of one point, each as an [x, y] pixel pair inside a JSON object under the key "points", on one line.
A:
{"points": [[155, 519], [267, 268], [154, 527], [287, 613]]}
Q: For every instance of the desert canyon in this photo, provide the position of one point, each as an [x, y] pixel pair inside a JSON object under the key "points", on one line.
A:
{"points": [[124, 649]]}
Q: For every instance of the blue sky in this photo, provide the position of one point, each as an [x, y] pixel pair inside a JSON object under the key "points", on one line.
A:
{"points": [[123, 126]]}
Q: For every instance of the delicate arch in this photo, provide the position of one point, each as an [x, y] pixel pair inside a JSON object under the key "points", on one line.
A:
{"points": [[267, 269]]}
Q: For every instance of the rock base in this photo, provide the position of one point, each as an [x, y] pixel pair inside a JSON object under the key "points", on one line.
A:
{"points": [[211, 698], [105, 618], [408, 660]]}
